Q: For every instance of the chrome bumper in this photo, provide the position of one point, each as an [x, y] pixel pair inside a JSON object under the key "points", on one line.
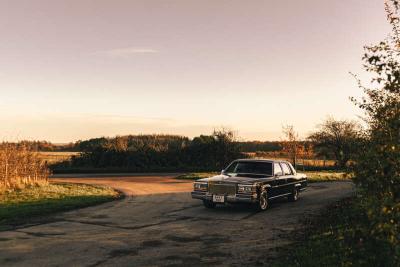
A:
{"points": [[238, 198]]}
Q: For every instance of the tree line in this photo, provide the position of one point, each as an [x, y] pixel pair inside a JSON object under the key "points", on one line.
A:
{"points": [[333, 140], [157, 153]]}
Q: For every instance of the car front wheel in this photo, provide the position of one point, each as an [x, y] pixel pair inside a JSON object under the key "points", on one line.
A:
{"points": [[263, 202]]}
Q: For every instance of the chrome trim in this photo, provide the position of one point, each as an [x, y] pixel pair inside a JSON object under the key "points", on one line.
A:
{"points": [[286, 184], [217, 183], [252, 187], [224, 189], [228, 198], [279, 196]]}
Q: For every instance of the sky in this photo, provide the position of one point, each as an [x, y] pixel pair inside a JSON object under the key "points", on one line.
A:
{"points": [[77, 69]]}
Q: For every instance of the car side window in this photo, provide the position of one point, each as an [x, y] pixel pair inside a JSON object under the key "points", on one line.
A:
{"points": [[277, 169], [292, 168], [286, 169]]}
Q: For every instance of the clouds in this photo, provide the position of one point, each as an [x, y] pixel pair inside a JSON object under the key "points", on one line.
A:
{"points": [[127, 52]]}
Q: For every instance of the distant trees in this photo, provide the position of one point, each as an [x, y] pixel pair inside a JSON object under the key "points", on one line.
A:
{"points": [[158, 152], [336, 139], [46, 145], [256, 146], [226, 147]]}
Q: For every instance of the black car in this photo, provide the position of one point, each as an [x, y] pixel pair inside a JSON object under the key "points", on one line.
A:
{"points": [[251, 181]]}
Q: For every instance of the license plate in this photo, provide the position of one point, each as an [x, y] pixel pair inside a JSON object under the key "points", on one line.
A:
{"points": [[218, 199]]}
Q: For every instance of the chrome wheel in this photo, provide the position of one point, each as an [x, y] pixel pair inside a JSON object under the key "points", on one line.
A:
{"points": [[294, 195], [263, 201]]}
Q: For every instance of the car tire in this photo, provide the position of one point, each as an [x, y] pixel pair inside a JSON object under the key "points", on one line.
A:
{"points": [[263, 202], [294, 196], [209, 204]]}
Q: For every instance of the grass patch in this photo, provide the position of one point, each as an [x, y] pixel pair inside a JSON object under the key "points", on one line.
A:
{"points": [[196, 175], [313, 176], [23, 206], [335, 238], [326, 176]]}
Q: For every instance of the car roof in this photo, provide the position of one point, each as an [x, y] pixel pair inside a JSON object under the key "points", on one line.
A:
{"points": [[262, 160]]}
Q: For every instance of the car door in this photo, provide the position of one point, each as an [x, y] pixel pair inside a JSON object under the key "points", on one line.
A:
{"points": [[279, 180], [288, 178]]}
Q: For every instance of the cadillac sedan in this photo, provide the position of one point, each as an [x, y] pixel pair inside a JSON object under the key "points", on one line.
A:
{"points": [[251, 181]]}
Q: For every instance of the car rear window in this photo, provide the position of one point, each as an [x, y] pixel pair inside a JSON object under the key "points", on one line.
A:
{"points": [[250, 167]]}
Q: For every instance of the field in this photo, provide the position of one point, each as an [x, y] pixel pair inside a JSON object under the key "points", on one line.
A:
{"points": [[19, 206], [301, 161], [54, 157]]}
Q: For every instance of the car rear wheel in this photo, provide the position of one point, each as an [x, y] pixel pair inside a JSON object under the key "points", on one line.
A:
{"points": [[209, 204], [294, 195], [263, 203]]}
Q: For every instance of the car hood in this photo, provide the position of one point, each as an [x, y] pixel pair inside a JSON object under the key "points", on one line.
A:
{"points": [[235, 179]]}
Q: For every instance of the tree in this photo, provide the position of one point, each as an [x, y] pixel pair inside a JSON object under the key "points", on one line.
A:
{"points": [[290, 144], [380, 154], [336, 139], [226, 147], [377, 163], [382, 108]]}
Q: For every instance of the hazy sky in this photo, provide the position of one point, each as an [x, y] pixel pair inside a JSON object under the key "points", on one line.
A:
{"points": [[72, 70]]}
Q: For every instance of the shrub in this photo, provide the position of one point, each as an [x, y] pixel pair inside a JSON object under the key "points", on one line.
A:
{"points": [[20, 166], [377, 163]]}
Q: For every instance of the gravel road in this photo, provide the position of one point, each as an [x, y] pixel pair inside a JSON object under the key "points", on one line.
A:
{"points": [[158, 224]]}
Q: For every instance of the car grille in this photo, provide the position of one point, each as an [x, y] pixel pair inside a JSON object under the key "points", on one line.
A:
{"points": [[222, 189]]}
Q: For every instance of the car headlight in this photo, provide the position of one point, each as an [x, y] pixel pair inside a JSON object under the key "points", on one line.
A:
{"points": [[245, 189], [200, 186]]}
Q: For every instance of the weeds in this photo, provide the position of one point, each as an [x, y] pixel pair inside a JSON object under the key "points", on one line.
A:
{"points": [[20, 166]]}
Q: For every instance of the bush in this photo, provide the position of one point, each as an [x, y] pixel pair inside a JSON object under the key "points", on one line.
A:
{"points": [[337, 238], [377, 163], [20, 166]]}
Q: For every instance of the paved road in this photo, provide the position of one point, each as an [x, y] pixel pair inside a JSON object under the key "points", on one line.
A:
{"points": [[161, 229]]}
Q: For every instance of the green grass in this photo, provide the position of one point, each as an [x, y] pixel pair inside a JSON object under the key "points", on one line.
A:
{"points": [[25, 205], [313, 176], [339, 236]]}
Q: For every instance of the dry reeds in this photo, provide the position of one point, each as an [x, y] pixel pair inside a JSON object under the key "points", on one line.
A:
{"points": [[20, 166]]}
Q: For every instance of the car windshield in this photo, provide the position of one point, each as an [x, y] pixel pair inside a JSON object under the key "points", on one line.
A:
{"points": [[253, 167]]}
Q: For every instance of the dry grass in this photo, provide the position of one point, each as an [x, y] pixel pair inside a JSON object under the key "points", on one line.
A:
{"points": [[196, 175], [20, 167], [327, 176], [55, 157], [279, 155]]}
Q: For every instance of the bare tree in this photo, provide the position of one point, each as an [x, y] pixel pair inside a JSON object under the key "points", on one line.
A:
{"points": [[290, 143]]}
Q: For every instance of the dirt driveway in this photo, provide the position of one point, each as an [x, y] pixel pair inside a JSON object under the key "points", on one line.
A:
{"points": [[158, 224]]}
